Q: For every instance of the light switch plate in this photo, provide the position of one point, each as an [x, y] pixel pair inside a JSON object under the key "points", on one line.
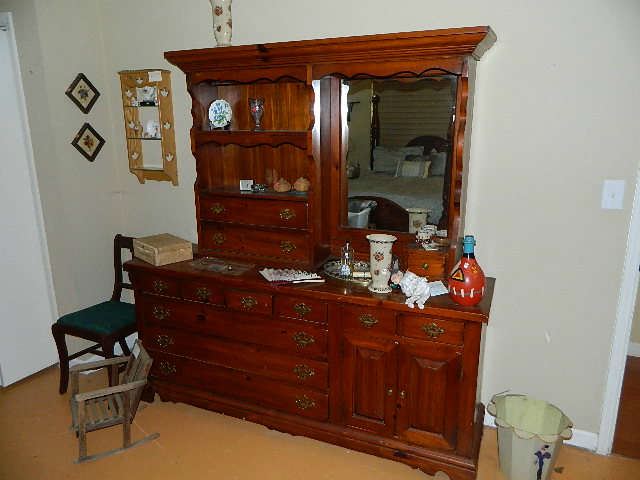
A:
{"points": [[612, 194]]}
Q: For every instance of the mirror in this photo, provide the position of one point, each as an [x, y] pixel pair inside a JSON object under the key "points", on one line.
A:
{"points": [[396, 139]]}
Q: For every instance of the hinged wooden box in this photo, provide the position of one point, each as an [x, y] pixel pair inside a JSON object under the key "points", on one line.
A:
{"points": [[162, 249]]}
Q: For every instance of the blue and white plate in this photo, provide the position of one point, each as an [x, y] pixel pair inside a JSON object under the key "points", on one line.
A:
{"points": [[220, 113]]}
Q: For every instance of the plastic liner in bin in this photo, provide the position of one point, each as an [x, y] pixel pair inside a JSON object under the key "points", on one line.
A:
{"points": [[530, 434], [359, 211]]}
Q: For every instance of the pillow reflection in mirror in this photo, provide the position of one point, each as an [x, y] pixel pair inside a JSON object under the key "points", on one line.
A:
{"points": [[413, 168], [438, 163]]}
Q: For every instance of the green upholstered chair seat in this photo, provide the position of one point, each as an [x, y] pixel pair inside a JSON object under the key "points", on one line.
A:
{"points": [[104, 318]]}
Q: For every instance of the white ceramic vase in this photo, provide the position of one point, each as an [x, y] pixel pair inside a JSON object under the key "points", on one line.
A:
{"points": [[380, 246], [222, 24]]}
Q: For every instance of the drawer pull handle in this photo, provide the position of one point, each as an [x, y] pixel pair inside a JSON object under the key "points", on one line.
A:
{"points": [[425, 266], [303, 339], [217, 208], [287, 246], [159, 286], [403, 395], [389, 392], [167, 368], [160, 312], [164, 341], [301, 309], [218, 238], [367, 320], [305, 403], [248, 302], [287, 214], [432, 330], [203, 293], [303, 371]]}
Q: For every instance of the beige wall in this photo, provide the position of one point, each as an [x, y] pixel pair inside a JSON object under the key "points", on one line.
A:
{"points": [[635, 328], [555, 107]]}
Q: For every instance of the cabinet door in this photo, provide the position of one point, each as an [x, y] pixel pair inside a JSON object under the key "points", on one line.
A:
{"points": [[428, 383], [369, 370]]}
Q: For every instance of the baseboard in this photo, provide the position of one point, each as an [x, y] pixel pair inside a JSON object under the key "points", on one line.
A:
{"points": [[580, 438], [634, 349]]}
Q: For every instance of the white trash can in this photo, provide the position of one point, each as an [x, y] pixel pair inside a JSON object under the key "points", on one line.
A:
{"points": [[530, 434]]}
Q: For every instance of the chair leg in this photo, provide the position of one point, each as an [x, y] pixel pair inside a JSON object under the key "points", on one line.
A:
{"points": [[63, 356], [107, 349], [124, 346]]}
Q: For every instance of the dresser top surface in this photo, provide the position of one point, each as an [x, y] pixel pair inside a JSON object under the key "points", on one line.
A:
{"points": [[331, 290]]}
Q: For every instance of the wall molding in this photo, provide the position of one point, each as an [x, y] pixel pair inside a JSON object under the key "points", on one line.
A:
{"points": [[634, 349], [580, 438]]}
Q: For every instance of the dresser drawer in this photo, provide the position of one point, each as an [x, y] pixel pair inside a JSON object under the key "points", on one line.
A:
{"points": [[249, 358], [254, 211], [250, 302], [235, 384], [202, 291], [367, 319], [177, 314], [217, 237], [301, 309], [156, 284], [430, 328], [426, 263]]}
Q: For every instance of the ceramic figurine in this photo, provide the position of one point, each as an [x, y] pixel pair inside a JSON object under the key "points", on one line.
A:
{"points": [[416, 289], [301, 185], [467, 280], [282, 186], [424, 235]]}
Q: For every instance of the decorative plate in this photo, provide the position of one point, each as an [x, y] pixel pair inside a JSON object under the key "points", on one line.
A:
{"points": [[219, 113]]}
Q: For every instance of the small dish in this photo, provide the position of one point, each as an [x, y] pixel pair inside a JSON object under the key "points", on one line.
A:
{"points": [[220, 113]]}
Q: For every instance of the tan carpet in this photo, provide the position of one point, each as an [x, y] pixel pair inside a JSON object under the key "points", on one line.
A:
{"points": [[35, 443]]}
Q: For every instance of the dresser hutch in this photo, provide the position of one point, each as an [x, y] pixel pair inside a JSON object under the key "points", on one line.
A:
{"points": [[330, 361]]}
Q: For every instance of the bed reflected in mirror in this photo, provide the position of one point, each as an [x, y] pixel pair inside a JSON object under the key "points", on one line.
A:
{"points": [[396, 135]]}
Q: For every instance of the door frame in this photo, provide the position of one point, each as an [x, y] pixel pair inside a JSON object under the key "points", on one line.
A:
{"points": [[7, 24], [622, 328]]}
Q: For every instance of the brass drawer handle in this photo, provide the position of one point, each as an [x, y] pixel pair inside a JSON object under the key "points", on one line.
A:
{"points": [[287, 214], [287, 246], [305, 403], [203, 293], [159, 286], [303, 339], [367, 320], [164, 341], [301, 309], [403, 395], [303, 371], [432, 330], [167, 368], [425, 266], [160, 312], [248, 302], [217, 208], [389, 392], [218, 238]]}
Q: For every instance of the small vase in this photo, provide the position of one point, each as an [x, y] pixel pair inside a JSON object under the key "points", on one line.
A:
{"points": [[380, 246], [222, 23], [256, 107], [467, 280]]}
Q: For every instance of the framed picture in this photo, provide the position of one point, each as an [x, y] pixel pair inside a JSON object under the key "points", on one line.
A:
{"points": [[88, 142], [82, 93]]}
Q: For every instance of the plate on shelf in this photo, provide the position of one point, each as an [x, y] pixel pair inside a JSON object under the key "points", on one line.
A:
{"points": [[220, 113]]}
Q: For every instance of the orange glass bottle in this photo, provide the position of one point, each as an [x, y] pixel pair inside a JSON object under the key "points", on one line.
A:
{"points": [[467, 280]]}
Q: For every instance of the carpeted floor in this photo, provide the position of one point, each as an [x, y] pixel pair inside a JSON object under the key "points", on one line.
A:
{"points": [[35, 444]]}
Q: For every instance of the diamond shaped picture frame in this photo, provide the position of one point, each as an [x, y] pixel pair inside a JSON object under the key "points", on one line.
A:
{"points": [[88, 142], [83, 93]]}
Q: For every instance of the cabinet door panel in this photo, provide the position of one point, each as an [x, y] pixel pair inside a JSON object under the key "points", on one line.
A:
{"points": [[429, 376], [369, 381]]}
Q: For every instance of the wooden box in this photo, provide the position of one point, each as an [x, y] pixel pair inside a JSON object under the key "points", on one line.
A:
{"points": [[162, 249]]}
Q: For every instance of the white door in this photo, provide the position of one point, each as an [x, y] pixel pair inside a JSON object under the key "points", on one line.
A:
{"points": [[27, 304]]}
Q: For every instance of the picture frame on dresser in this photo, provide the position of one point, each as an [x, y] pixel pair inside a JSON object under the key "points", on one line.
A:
{"points": [[331, 361]]}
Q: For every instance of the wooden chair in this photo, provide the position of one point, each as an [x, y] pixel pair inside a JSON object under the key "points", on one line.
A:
{"points": [[115, 405], [105, 323]]}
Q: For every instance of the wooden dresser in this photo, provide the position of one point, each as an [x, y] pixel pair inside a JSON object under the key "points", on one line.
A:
{"points": [[329, 361]]}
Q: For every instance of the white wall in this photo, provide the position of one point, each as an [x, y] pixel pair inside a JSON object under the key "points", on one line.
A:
{"points": [[555, 114]]}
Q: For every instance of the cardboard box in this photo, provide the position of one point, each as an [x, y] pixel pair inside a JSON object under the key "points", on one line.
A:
{"points": [[162, 249]]}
